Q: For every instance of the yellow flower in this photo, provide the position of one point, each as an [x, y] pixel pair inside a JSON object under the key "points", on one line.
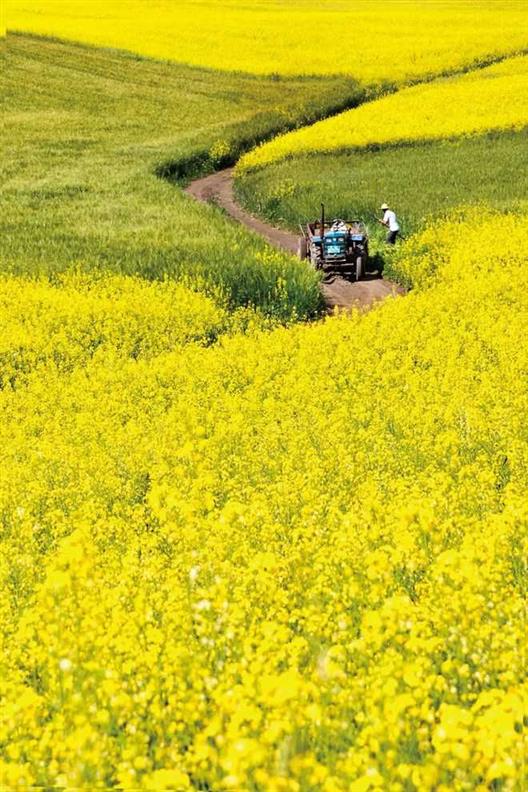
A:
{"points": [[166, 779]]}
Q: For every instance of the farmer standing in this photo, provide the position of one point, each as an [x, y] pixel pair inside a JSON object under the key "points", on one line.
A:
{"points": [[390, 222]]}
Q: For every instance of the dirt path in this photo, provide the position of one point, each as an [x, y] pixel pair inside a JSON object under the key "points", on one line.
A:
{"points": [[218, 188]]}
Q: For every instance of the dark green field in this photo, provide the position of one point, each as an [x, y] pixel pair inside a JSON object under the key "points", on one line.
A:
{"points": [[89, 133], [420, 181]]}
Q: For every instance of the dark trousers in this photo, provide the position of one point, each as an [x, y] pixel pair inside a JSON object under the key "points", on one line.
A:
{"points": [[391, 237]]}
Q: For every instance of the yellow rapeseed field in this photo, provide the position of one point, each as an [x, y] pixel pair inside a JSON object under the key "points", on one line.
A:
{"points": [[79, 317], [374, 42], [242, 556], [494, 98], [288, 562]]}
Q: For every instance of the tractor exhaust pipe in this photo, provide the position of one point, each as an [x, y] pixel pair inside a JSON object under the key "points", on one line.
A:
{"points": [[322, 221]]}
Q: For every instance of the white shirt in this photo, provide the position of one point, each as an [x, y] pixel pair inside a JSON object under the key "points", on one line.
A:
{"points": [[390, 218]]}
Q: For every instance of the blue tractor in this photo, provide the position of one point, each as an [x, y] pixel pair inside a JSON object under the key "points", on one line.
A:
{"points": [[338, 247]]}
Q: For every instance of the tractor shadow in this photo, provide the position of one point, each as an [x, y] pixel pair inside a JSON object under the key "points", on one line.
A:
{"points": [[376, 266]]}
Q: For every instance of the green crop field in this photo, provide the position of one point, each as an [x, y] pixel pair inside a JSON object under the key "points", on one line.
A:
{"points": [[87, 132], [422, 181]]}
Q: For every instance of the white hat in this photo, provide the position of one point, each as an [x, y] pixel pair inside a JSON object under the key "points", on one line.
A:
{"points": [[384, 206]]}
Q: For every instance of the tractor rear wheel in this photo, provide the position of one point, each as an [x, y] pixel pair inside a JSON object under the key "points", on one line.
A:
{"points": [[315, 258], [302, 248], [359, 268]]}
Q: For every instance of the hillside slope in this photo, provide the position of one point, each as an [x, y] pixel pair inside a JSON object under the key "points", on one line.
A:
{"points": [[86, 132]]}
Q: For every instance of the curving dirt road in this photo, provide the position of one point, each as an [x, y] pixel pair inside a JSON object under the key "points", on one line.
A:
{"points": [[341, 293]]}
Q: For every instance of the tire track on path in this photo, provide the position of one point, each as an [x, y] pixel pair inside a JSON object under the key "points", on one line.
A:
{"points": [[341, 293]]}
